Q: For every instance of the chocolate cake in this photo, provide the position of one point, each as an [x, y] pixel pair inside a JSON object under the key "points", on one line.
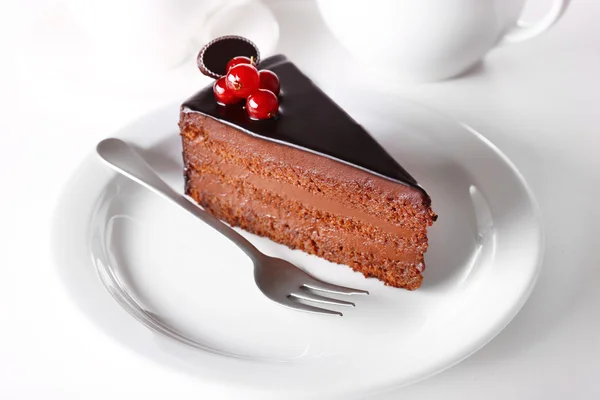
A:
{"points": [[310, 178]]}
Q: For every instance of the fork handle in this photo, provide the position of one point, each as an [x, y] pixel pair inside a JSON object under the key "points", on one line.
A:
{"points": [[125, 160]]}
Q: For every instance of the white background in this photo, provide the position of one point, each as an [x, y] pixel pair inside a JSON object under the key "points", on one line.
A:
{"points": [[539, 102]]}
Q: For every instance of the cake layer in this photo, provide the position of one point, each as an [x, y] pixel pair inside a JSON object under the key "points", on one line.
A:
{"points": [[256, 212], [327, 208]]}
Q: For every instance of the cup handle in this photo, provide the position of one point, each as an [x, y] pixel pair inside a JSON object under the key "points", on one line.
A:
{"points": [[524, 31]]}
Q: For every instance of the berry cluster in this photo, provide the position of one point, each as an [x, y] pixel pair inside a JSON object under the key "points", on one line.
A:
{"points": [[244, 81]]}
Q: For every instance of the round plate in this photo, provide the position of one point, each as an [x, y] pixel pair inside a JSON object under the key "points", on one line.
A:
{"points": [[483, 260]]}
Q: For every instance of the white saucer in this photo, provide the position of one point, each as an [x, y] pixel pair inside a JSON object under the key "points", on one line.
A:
{"points": [[484, 257]]}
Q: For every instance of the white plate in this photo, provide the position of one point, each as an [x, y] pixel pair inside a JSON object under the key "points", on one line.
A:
{"points": [[484, 257]]}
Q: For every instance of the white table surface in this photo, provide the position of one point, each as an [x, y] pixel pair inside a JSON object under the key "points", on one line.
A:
{"points": [[539, 102]]}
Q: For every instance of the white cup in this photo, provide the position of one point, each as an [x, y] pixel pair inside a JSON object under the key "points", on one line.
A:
{"points": [[156, 35], [428, 40]]}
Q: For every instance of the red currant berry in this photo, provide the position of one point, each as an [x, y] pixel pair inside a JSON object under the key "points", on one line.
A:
{"points": [[262, 104], [238, 60], [269, 81], [223, 94], [243, 80]]}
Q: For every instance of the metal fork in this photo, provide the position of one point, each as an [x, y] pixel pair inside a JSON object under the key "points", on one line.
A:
{"points": [[279, 280]]}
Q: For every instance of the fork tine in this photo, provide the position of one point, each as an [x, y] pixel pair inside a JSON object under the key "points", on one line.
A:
{"points": [[292, 303], [316, 284], [306, 295]]}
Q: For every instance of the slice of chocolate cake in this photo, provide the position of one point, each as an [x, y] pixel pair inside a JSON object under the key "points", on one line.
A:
{"points": [[311, 178]]}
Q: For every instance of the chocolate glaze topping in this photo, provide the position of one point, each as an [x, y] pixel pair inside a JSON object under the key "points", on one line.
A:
{"points": [[309, 120]]}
